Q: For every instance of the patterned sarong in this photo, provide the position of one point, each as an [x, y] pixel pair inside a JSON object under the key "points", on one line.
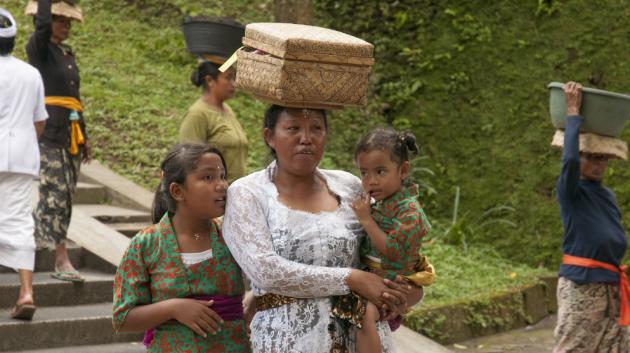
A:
{"points": [[588, 316], [58, 177]]}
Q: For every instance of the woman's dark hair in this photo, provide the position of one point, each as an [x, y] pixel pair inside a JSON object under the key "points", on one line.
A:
{"points": [[179, 162], [7, 45], [206, 68], [271, 119], [400, 145]]}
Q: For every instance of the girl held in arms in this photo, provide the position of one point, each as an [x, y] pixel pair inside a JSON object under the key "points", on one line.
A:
{"points": [[395, 223]]}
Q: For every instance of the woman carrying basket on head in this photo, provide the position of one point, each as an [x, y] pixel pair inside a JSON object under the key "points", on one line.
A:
{"points": [[210, 120], [64, 143]]}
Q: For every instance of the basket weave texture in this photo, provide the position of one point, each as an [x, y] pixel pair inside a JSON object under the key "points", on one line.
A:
{"points": [[60, 8], [593, 143], [310, 43], [307, 66]]}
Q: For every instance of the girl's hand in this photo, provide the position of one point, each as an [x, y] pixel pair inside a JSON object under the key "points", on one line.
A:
{"points": [[197, 315], [361, 208]]}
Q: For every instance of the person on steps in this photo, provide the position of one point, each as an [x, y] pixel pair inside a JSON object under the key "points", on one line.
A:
{"points": [[22, 120], [65, 142]]}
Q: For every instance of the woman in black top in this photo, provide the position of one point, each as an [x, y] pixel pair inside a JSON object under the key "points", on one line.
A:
{"points": [[65, 142]]}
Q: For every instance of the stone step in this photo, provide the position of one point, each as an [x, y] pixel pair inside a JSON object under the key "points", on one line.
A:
{"points": [[45, 258], [49, 291], [114, 214], [90, 194], [129, 229], [63, 326], [131, 347]]}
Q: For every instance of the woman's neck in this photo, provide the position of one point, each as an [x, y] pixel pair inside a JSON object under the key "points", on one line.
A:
{"points": [[304, 192], [212, 100], [296, 185]]}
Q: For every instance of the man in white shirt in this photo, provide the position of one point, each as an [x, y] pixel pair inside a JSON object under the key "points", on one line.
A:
{"points": [[22, 119]]}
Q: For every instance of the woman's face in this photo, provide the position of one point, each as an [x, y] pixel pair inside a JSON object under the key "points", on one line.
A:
{"points": [[61, 28], [223, 86], [298, 138]]}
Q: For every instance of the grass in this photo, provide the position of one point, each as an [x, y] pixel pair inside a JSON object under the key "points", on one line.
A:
{"points": [[477, 272]]}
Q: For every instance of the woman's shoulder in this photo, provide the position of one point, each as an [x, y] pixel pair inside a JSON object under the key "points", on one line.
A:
{"points": [[342, 182], [201, 108], [253, 182]]}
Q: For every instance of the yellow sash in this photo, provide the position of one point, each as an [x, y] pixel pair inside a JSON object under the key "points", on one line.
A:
{"points": [[76, 135], [424, 275]]}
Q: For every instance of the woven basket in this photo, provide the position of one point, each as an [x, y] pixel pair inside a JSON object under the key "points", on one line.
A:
{"points": [[304, 66], [593, 143], [68, 9]]}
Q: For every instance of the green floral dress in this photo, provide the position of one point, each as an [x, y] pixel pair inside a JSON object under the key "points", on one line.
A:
{"points": [[404, 222], [152, 270]]}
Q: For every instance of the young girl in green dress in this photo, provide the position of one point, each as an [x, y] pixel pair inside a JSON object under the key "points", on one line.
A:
{"points": [[177, 280], [395, 223]]}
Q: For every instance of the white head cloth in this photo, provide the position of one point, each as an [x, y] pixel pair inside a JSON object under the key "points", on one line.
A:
{"points": [[11, 31]]}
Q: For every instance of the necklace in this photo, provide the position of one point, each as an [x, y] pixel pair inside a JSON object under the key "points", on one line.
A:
{"points": [[196, 236]]}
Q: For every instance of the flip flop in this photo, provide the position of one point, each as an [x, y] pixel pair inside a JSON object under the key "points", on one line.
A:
{"points": [[23, 312], [70, 276]]}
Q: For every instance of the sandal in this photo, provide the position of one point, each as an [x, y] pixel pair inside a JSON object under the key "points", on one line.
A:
{"points": [[23, 311], [70, 276]]}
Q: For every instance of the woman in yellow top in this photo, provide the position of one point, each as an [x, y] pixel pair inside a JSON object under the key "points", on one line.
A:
{"points": [[210, 120]]}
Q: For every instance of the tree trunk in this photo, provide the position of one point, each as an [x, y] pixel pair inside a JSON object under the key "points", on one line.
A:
{"points": [[293, 11]]}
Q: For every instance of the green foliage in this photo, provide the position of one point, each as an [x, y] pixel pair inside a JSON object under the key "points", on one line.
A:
{"points": [[470, 79]]}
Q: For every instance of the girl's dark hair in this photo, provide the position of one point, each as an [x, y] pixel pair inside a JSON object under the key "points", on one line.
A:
{"points": [[271, 119], [6, 46], [400, 145], [179, 162], [206, 68]]}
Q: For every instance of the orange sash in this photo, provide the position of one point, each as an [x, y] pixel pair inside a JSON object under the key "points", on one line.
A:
{"points": [[76, 136], [624, 285]]}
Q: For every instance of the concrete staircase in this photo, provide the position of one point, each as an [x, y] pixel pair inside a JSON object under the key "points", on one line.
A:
{"points": [[76, 317]]}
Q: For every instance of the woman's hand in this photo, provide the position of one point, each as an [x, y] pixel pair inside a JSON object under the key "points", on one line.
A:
{"points": [[396, 298], [249, 308], [374, 288], [412, 295], [197, 315], [87, 152], [573, 95]]}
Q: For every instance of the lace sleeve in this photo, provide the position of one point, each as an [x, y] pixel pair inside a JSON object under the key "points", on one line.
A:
{"points": [[247, 235]]}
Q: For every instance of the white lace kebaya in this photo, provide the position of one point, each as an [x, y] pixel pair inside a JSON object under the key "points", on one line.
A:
{"points": [[297, 254]]}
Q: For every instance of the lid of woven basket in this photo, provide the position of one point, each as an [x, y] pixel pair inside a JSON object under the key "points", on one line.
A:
{"points": [[593, 143], [309, 43], [60, 8]]}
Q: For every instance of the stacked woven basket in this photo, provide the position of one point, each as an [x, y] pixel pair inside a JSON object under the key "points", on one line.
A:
{"points": [[304, 66]]}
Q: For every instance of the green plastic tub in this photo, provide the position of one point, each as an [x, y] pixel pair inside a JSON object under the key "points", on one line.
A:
{"points": [[605, 113]]}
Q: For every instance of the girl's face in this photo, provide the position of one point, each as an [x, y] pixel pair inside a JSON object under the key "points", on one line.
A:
{"points": [[298, 138], [223, 87], [380, 175], [203, 193]]}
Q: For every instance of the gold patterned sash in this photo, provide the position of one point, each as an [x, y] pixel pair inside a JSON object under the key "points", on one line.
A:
{"points": [[422, 273]]}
